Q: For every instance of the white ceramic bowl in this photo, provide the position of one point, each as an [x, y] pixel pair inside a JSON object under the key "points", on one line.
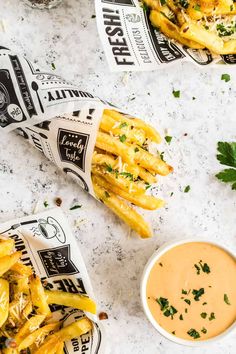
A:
{"points": [[163, 249]]}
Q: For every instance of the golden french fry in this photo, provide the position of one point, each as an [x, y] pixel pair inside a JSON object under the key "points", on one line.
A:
{"points": [[115, 146], [6, 262], [150, 132], [6, 247], [150, 162], [38, 296], [144, 201], [147, 176], [109, 125], [22, 269], [60, 349], [31, 325], [121, 181], [16, 308], [75, 329], [171, 30], [4, 300], [37, 337], [76, 301], [27, 310], [124, 211]]}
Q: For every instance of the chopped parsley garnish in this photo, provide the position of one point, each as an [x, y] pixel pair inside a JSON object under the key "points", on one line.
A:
{"points": [[53, 66], [198, 293], [162, 156], [186, 310], [76, 206], [198, 268], [187, 301], [45, 204], [168, 139], [123, 124], [173, 333], [187, 189], [226, 299], [168, 310], [225, 77], [160, 264], [204, 303], [203, 314], [122, 138], [147, 185], [225, 30], [136, 149], [212, 316], [204, 330], [227, 156], [197, 7], [176, 94], [184, 3], [163, 2], [184, 292], [127, 175], [193, 333], [204, 267], [107, 195], [109, 168], [181, 317]]}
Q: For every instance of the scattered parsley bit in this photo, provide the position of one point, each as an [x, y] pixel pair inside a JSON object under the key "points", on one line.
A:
{"points": [[198, 268], [193, 333], [205, 267], [136, 149], [162, 156], [181, 317], [225, 77], [163, 2], [45, 204], [171, 194], [127, 175], [53, 66], [193, 98], [122, 138], [168, 139], [77, 206], [198, 293], [184, 292], [212, 316], [147, 185], [224, 31], [186, 310], [187, 301], [163, 302], [184, 3], [203, 314], [204, 330], [109, 168], [123, 124], [197, 7], [176, 94], [187, 189], [93, 16], [107, 195], [226, 299], [173, 333], [167, 309], [204, 303], [227, 156], [160, 264]]}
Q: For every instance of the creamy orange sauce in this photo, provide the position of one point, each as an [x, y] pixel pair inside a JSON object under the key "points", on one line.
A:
{"points": [[175, 271]]}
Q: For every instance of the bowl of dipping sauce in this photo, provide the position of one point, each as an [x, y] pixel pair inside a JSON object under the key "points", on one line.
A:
{"points": [[188, 291]]}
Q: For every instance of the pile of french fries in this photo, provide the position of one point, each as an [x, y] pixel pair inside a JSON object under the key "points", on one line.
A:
{"points": [[123, 168], [26, 324], [197, 24]]}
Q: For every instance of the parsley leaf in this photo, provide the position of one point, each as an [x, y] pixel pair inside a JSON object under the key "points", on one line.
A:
{"points": [[176, 94], [187, 301], [193, 333], [226, 299], [212, 316], [198, 293], [45, 204], [187, 189], [168, 139], [204, 330], [77, 206], [127, 175], [122, 138], [197, 7], [227, 153], [228, 175], [123, 124], [205, 267], [203, 314], [163, 302], [181, 317], [225, 77]]}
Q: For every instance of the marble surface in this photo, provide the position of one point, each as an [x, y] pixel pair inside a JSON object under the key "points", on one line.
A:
{"points": [[67, 39]]}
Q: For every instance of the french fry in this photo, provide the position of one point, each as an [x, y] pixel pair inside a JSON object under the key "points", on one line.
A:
{"points": [[144, 201], [38, 296], [76, 301], [60, 349], [6, 247], [150, 132], [27, 310], [37, 337], [147, 176], [115, 146], [109, 125], [151, 162], [75, 329], [4, 300], [124, 211], [7, 262], [123, 183], [16, 308], [21, 269], [31, 325]]}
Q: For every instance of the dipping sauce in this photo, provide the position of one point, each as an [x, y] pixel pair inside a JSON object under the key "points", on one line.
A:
{"points": [[191, 291]]}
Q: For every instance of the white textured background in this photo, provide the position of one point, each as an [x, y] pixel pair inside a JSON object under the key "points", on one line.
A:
{"points": [[67, 36]]}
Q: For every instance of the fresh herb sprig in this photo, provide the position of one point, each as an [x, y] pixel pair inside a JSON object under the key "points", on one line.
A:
{"points": [[227, 156]]}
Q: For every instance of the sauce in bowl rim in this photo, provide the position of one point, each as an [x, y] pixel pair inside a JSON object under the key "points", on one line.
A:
{"points": [[153, 259]]}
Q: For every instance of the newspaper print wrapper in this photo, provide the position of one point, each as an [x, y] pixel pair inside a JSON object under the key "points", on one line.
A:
{"points": [[48, 246], [132, 44], [54, 115]]}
